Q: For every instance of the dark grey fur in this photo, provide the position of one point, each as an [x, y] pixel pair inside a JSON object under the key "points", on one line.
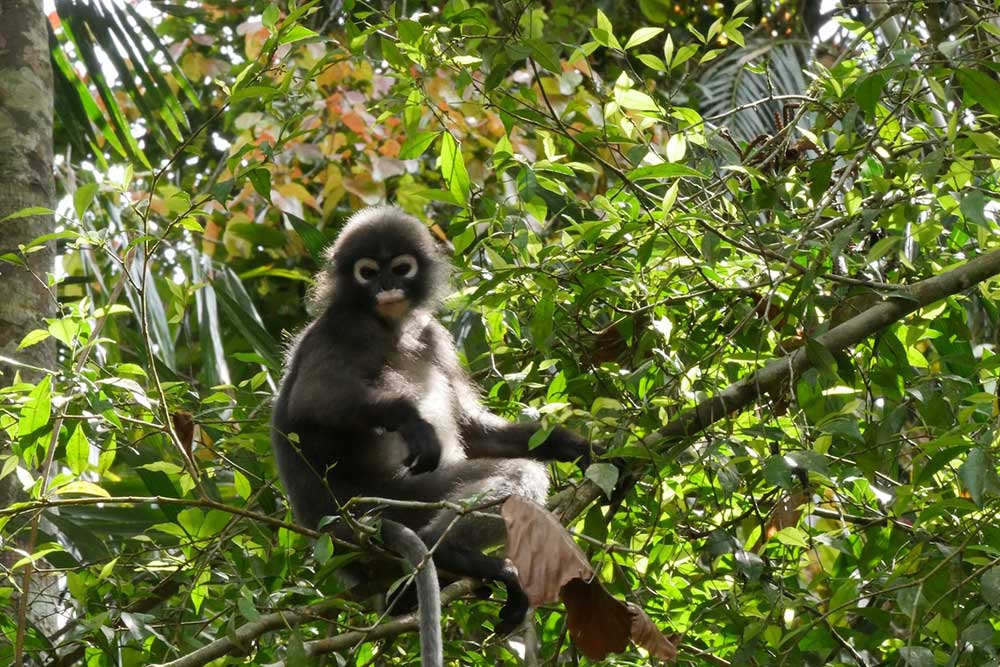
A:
{"points": [[381, 407]]}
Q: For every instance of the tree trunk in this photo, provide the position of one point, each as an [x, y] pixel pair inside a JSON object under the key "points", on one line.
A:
{"points": [[25, 181]]}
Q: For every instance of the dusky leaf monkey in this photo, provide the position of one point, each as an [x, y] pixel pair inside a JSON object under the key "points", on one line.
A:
{"points": [[374, 403]]}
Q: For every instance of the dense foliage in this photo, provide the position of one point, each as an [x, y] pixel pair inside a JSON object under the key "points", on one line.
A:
{"points": [[632, 232]]}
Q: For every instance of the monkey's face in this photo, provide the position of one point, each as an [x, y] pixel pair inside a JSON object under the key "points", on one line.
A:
{"points": [[392, 283], [386, 263]]}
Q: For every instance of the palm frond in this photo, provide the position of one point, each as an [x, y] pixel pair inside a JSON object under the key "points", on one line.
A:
{"points": [[729, 83], [99, 49]]}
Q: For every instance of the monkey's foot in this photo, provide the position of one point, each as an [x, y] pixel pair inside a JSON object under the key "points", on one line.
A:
{"points": [[513, 612]]}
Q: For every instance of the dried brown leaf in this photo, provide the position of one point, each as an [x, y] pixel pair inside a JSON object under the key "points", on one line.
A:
{"points": [[183, 422], [598, 623], [648, 636], [551, 566], [545, 554]]}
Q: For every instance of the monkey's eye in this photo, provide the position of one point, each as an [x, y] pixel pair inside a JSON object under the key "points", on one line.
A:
{"points": [[404, 266], [365, 269]]}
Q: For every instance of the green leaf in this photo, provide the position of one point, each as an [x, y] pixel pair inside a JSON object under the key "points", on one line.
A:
{"points": [[453, 168], [27, 213], [78, 451], [989, 586], [603, 23], [792, 536], [164, 467], [40, 552], [83, 488], [557, 387], [683, 54], [32, 338], [982, 88], [37, 409], [106, 458], [652, 62], [270, 17], [604, 475], [200, 524], [199, 591], [107, 569], [676, 147], [641, 36], [262, 235], [296, 33], [542, 321], [917, 656], [820, 356], [869, 92], [242, 485], [65, 330], [260, 178], [416, 144], [323, 549], [974, 474], [83, 197], [247, 608], [241, 312], [538, 437]]}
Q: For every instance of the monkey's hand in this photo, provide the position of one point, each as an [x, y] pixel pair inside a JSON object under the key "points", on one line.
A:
{"points": [[424, 446], [565, 445]]}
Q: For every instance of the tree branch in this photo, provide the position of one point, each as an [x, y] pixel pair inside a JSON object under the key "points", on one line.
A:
{"points": [[776, 372]]}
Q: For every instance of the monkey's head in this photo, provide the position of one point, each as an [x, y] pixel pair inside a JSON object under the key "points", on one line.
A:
{"points": [[386, 262]]}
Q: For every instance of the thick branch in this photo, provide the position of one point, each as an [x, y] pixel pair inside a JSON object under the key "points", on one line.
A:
{"points": [[779, 371], [397, 626], [243, 636]]}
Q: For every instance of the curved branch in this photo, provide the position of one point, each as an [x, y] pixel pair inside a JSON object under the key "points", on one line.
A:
{"points": [[397, 626], [239, 639]]}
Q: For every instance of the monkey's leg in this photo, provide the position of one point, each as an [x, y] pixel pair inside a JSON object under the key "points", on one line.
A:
{"points": [[482, 481]]}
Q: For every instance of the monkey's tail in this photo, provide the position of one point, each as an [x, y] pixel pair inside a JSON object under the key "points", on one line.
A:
{"points": [[408, 544]]}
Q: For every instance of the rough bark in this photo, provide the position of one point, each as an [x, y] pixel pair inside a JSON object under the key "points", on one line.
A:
{"points": [[25, 177], [26, 180]]}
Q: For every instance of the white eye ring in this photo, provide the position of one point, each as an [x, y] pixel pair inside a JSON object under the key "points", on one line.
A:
{"points": [[409, 261], [359, 269]]}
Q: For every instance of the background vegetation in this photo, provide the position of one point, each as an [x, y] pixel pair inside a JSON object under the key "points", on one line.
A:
{"points": [[645, 202]]}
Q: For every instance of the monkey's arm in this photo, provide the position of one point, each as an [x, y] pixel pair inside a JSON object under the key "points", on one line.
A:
{"points": [[487, 435]]}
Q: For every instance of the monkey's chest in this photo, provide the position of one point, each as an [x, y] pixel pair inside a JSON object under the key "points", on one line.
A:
{"points": [[437, 404]]}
